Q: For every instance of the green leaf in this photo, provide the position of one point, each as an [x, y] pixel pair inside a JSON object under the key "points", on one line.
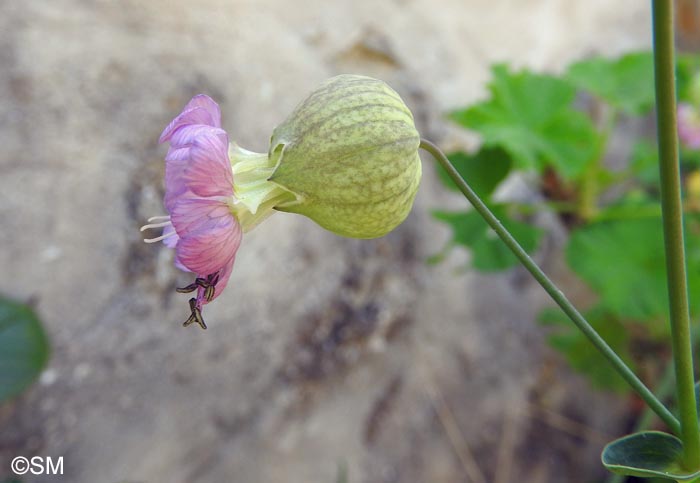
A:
{"points": [[488, 251], [687, 71], [467, 226], [647, 454], [532, 118], [634, 204], [24, 348], [645, 163], [581, 355], [626, 83], [623, 261], [483, 170]]}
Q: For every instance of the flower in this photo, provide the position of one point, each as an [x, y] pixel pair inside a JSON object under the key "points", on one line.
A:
{"points": [[201, 225], [349, 153], [689, 125], [347, 158]]}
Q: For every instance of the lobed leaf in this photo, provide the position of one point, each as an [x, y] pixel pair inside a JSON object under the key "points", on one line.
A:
{"points": [[488, 251], [623, 261], [581, 354], [532, 118], [626, 83], [483, 170]]}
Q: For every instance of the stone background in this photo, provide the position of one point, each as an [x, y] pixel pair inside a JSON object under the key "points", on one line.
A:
{"points": [[323, 352]]}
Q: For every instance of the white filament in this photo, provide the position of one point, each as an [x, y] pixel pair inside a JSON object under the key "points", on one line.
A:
{"points": [[154, 225], [158, 225]]}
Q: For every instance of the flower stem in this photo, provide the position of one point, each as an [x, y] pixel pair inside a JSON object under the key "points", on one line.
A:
{"points": [[556, 294], [672, 210]]}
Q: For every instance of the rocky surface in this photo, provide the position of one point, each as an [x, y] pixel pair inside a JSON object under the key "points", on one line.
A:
{"points": [[324, 353]]}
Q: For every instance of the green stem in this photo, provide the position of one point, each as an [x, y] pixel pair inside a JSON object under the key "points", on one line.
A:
{"points": [[664, 73], [552, 290]]}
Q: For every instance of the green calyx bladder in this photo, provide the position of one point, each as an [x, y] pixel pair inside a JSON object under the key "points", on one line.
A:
{"points": [[347, 158]]}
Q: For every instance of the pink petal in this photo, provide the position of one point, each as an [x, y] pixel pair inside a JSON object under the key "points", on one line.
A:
{"points": [[200, 110], [175, 185], [186, 135], [207, 251], [208, 104], [210, 143], [224, 276], [171, 236], [190, 214], [209, 234], [171, 242], [178, 264], [209, 171]]}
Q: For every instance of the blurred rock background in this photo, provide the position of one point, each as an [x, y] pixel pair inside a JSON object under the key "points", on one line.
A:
{"points": [[323, 354]]}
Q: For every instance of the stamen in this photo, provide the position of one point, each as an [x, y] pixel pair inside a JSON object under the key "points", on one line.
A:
{"points": [[155, 218], [213, 278], [190, 288], [154, 225], [162, 237], [196, 315], [209, 293], [202, 282]]}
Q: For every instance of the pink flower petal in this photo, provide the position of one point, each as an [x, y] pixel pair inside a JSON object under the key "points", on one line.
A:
{"points": [[171, 242], [212, 247], [186, 135], [224, 276], [200, 110], [171, 236], [209, 171], [190, 214], [175, 185], [208, 104]]}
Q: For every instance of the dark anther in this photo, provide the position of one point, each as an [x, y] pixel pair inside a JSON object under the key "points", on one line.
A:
{"points": [[196, 315], [190, 288], [213, 278], [202, 282], [208, 285]]}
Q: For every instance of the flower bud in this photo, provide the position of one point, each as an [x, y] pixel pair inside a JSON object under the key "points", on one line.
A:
{"points": [[349, 154]]}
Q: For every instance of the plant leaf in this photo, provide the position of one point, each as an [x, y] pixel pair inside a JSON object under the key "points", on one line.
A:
{"points": [[532, 118], [488, 251], [623, 261], [581, 354], [645, 163], [467, 226], [647, 454], [626, 83], [483, 170], [24, 348], [687, 70]]}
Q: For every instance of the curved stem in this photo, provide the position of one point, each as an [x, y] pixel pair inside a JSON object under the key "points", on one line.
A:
{"points": [[672, 209], [556, 294]]}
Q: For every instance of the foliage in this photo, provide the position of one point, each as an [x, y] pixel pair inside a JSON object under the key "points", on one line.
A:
{"points": [[648, 454], [24, 348], [531, 116], [556, 129]]}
